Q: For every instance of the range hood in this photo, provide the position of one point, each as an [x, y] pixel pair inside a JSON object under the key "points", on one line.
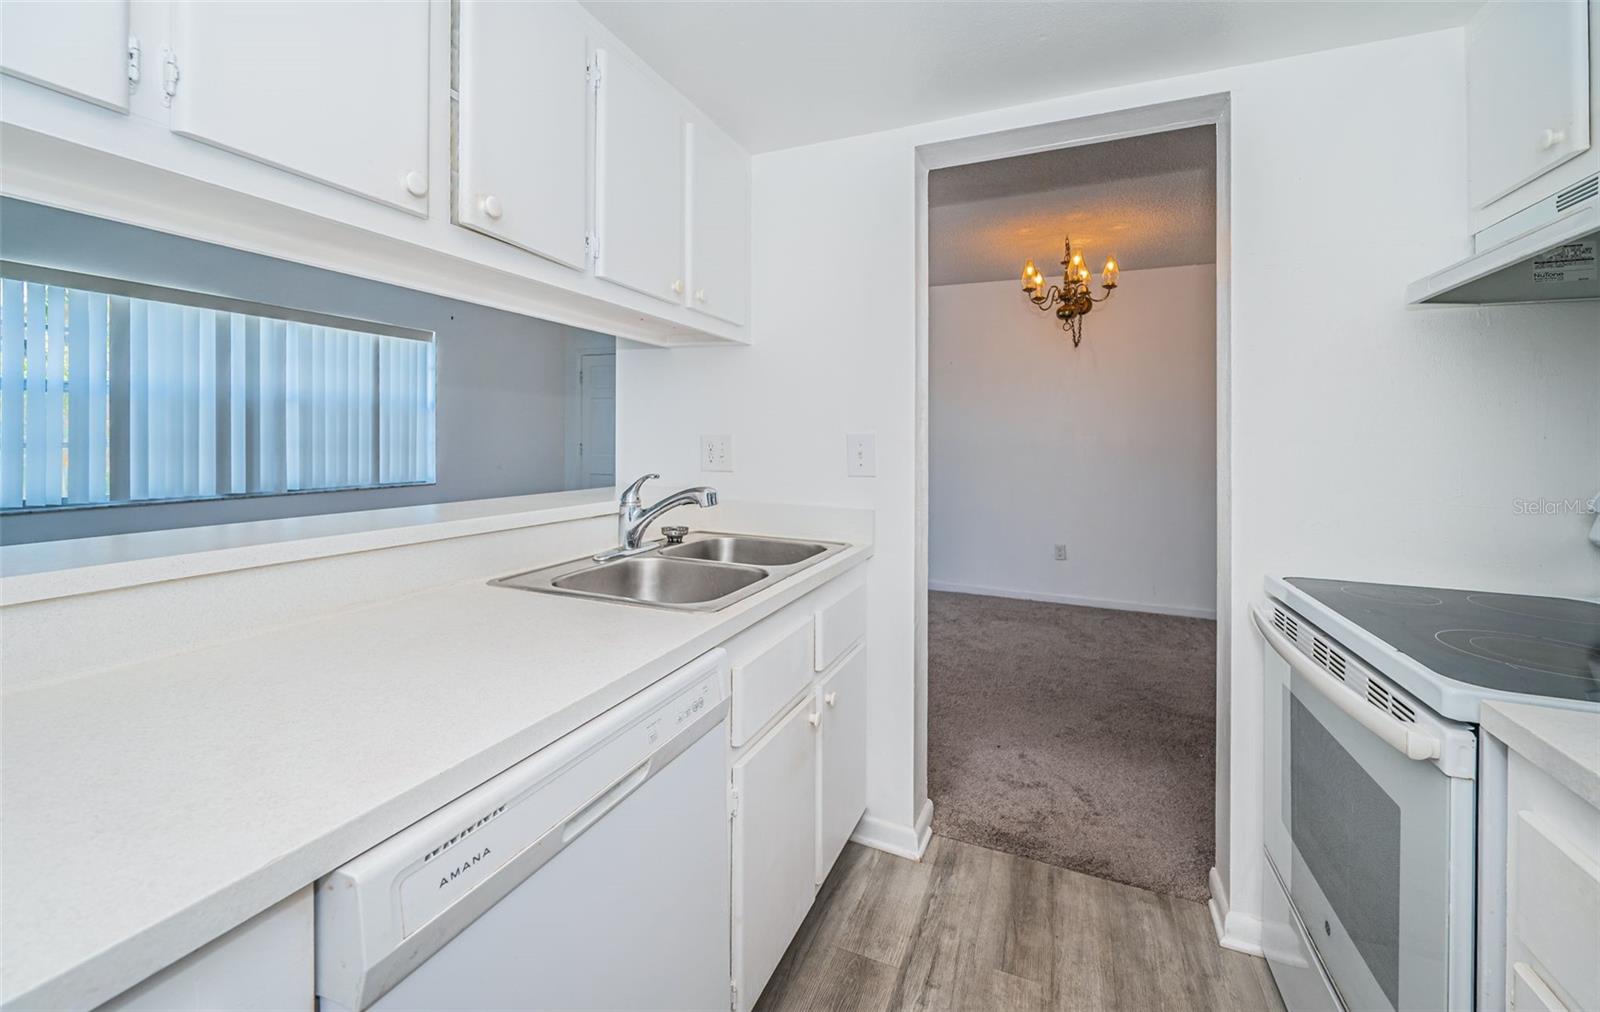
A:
{"points": [[1553, 260]]}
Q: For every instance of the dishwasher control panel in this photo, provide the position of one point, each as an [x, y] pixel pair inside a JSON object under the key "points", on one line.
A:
{"points": [[475, 849]]}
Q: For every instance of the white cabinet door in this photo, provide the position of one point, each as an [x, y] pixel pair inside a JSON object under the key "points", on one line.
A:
{"points": [[1528, 93], [77, 48], [774, 846], [719, 224], [639, 180], [335, 91], [841, 758], [522, 140]]}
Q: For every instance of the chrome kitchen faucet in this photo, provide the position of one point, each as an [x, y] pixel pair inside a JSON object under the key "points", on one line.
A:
{"points": [[633, 518]]}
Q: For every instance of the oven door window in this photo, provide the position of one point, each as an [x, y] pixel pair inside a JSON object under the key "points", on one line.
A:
{"points": [[1368, 862]]}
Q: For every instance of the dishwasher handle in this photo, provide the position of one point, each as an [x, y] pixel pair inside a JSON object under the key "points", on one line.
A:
{"points": [[605, 801], [1408, 741]]}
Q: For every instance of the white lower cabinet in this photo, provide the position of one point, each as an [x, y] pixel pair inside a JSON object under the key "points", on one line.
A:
{"points": [[799, 749], [841, 702], [774, 846], [1552, 893], [263, 965]]}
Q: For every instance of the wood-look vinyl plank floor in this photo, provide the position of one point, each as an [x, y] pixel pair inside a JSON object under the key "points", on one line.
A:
{"points": [[974, 929]]}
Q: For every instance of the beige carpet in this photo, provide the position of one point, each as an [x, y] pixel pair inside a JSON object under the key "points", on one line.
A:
{"points": [[1080, 737]]}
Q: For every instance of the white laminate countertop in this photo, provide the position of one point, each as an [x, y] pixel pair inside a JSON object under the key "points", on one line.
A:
{"points": [[1563, 743], [150, 809]]}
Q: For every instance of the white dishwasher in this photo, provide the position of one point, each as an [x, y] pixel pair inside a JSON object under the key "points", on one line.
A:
{"points": [[592, 875]]}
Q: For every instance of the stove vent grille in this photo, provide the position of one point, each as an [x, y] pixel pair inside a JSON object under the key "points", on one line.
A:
{"points": [[1286, 625], [1330, 661], [1383, 699]]}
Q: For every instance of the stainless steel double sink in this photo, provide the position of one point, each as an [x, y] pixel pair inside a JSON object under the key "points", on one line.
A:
{"points": [[707, 572]]}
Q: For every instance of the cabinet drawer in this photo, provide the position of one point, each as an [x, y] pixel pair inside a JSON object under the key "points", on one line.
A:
{"points": [[840, 626], [1556, 907], [767, 682]]}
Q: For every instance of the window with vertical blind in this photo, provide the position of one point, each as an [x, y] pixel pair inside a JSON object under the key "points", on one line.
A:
{"points": [[113, 392]]}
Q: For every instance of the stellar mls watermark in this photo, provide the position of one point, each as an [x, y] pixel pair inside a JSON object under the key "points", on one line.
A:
{"points": [[1542, 507]]}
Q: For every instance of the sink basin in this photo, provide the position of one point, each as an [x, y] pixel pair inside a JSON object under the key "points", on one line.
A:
{"points": [[746, 551], [661, 581], [706, 573]]}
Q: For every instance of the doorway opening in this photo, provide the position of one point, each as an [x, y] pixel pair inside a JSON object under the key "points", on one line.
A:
{"points": [[1073, 537]]}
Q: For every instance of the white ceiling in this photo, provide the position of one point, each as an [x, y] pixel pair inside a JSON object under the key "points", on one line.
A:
{"points": [[780, 73], [1151, 200]]}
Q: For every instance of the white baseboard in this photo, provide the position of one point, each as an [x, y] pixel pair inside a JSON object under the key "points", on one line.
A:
{"points": [[897, 838], [1181, 610], [1235, 930]]}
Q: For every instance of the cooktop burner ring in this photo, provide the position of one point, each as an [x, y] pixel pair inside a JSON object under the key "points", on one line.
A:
{"points": [[1528, 653], [1414, 596], [1549, 609]]}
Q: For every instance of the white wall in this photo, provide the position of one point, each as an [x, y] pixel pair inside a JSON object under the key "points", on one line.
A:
{"points": [[1369, 440], [1108, 448]]}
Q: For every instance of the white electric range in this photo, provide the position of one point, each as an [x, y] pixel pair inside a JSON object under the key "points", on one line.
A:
{"points": [[1371, 770]]}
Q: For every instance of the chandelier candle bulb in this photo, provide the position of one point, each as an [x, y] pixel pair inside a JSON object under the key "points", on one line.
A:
{"points": [[1073, 299]]}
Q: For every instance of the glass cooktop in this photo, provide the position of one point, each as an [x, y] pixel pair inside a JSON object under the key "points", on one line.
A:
{"points": [[1544, 646]]}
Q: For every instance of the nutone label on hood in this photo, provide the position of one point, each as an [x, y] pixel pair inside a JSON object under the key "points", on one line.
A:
{"points": [[1574, 261]]}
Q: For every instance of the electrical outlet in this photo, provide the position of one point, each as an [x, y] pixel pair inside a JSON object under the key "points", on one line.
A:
{"points": [[716, 453], [860, 455], [1061, 553]]}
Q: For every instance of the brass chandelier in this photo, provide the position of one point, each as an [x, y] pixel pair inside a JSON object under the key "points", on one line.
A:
{"points": [[1072, 299]]}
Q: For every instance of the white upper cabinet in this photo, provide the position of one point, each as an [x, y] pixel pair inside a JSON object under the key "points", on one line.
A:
{"points": [[77, 48], [719, 224], [638, 180], [523, 126], [1528, 93], [334, 91]]}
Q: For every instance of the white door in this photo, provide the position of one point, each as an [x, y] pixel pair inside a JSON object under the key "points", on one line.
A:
{"points": [[597, 396], [719, 224], [334, 91], [523, 127], [774, 847], [639, 180], [841, 758], [1528, 93], [77, 48]]}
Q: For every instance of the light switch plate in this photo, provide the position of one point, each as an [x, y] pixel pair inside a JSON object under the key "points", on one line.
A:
{"points": [[716, 453], [861, 455]]}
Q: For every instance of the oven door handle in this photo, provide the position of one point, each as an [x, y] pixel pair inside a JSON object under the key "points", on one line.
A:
{"points": [[1408, 741]]}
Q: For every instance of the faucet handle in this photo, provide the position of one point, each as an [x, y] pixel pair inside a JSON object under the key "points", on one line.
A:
{"points": [[630, 495]]}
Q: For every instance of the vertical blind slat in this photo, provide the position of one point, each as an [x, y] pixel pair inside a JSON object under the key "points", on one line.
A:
{"points": [[12, 343], [96, 385], [33, 393], [207, 404], [77, 394], [54, 391]]}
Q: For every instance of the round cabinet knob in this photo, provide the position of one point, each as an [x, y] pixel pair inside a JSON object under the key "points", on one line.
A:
{"points": [[831, 698], [815, 718], [490, 206], [1551, 138], [677, 287], [699, 295], [416, 184]]}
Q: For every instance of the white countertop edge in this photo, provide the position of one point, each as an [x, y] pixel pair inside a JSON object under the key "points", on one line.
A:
{"points": [[164, 942], [54, 569], [1564, 743]]}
